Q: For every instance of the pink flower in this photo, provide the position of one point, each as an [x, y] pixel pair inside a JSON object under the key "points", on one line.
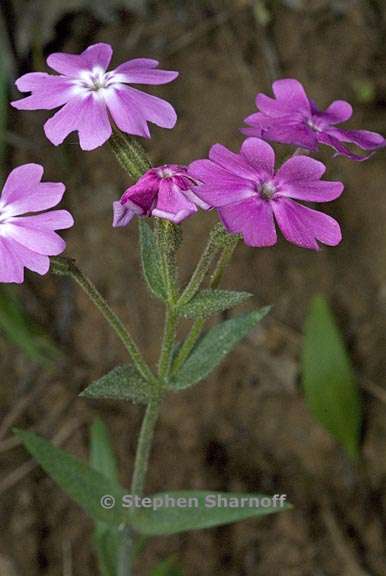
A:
{"points": [[250, 196], [165, 192], [27, 241], [89, 94], [292, 118]]}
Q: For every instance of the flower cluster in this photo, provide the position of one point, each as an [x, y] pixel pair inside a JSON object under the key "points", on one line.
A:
{"points": [[249, 195]]}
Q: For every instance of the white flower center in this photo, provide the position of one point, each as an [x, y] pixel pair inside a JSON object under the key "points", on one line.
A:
{"points": [[95, 80], [5, 213], [165, 173], [267, 190]]}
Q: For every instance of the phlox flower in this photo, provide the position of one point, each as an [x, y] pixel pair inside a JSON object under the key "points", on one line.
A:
{"points": [[293, 118], [91, 96], [27, 241], [165, 192], [250, 196]]}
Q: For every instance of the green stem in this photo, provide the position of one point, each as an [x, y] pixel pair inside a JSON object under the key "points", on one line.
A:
{"points": [[198, 325], [144, 445], [167, 343], [67, 267], [129, 154]]}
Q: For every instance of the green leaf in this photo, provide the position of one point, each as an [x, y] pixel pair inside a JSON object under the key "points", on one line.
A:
{"points": [[194, 510], [84, 484], [122, 383], [20, 329], [107, 538], [208, 302], [151, 260], [330, 387], [214, 346]]}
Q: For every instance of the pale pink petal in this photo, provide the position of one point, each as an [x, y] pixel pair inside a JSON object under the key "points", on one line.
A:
{"points": [[232, 162], [304, 227], [20, 182], [98, 55], [152, 108], [67, 64], [172, 204], [32, 260], [259, 155], [125, 114], [300, 168], [48, 91], [11, 268], [253, 219], [122, 214], [44, 195], [136, 63], [38, 240], [144, 75], [52, 220]]}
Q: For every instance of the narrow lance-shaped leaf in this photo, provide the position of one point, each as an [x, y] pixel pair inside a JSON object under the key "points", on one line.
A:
{"points": [[122, 383], [84, 484], [151, 260], [107, 538], [208, 302], [330, 387], [183, 511], [214, 346]]}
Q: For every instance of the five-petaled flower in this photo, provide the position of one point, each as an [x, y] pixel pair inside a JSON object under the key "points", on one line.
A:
{"points": [[89, 94], [165, 192], [28, 241], [250, 196], [292, 118]]}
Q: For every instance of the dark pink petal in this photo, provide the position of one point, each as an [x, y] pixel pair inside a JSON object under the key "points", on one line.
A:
{"points": [[330, 140], [20, 182], [363, 138], [311, 191], [38, 240], [154, 109], [11, 269], [126, 115], [305, 227], [288, 131], [171, 203], [292, 95], [300, 168], [338, 111], [87, 115], [232, 162], [98, 55], [219, 187], [259, 155], [44, 195], [122, 215], [253, 219], [36, 262], [53, 220], [144, 75]]}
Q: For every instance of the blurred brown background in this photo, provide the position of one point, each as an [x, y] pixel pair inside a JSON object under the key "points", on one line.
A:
{"points": [[247, 427]]}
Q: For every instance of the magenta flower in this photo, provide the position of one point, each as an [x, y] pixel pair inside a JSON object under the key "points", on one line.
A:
{"points": [[90, 95], [27, 241], [250, 196], [166, 192], [292, 118]]}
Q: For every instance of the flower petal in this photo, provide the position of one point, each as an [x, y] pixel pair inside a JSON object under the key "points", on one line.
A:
{"points": [[11, 268], [291, 95], [259, 155], [253, 219], [53, 220], [122, 214], [338, 111], [126, 115], [311, 191], [300, 168], [87, 115], [38, 240], [363, 138], [98, 55], [152, 108], [232, 162], [48, 91], [172, 204], [219, 187], [304, 227], [45, 195], [20, 182], [143, 75], [32, 260], [342, 150]]}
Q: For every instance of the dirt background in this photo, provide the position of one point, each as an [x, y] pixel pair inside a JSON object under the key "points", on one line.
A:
{"points": [[247, 427]]}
